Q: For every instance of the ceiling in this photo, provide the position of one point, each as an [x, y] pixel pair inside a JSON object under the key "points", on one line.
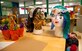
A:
{"points": [[18, 0], [38, 0], [31, 2]]}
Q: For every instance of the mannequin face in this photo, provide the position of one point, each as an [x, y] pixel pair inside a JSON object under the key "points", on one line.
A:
{"points": [[58, 20]]}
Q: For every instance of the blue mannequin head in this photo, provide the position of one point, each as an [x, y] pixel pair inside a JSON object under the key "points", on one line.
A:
{"points": [[61, 11]]}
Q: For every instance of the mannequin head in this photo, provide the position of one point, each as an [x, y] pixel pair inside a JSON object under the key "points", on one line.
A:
{"points": [[61, 19], [37, 20]]}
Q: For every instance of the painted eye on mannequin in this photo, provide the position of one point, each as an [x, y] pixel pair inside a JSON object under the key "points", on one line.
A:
{"points": [[59, 13], [52, 15], [60, 17]]}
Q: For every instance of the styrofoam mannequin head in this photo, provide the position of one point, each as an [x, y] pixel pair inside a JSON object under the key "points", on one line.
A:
{"points": [[58, 21], [37, 21], [61, 20]]}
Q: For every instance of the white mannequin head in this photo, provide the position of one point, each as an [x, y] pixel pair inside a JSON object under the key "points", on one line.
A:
{"points": [[58, 18], [61, 21]]}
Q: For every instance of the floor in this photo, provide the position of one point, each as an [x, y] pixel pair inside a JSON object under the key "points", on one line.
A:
{"points": [[30, 42]]}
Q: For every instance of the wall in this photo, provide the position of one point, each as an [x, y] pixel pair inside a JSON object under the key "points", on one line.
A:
{"points": [[79, 24]]}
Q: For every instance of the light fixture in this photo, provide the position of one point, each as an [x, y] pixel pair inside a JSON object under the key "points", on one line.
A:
{"points": [[60, 0], [43, 5], [38, 2], [1, 2], [21, 5], [71, 4], [31, 6]]}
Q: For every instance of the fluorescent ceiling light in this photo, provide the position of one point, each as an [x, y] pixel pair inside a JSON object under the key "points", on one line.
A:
{"points": [[38, 2], [21, 5], [60, 0], [71, 4], [43, 5], [1, 2], [31, 6], [38, 6]]}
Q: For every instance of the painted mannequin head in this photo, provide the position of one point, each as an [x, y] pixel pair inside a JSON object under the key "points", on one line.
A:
{"points": [[37, 20], [61, 20]]}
